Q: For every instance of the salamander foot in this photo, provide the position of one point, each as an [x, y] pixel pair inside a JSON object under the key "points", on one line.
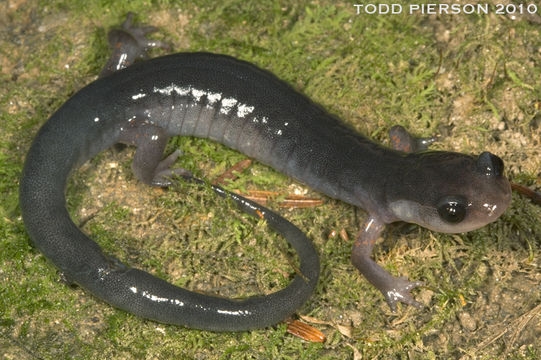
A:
{"points": [[400, 292], [129, 43], [163, 174]]}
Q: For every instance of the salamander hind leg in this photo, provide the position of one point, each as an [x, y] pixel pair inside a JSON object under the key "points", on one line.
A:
{"points": [[148, 165], [394, 289], [402, 140], [129, 43]]}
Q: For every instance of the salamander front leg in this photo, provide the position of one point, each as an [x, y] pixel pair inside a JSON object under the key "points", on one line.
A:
{"points": [[393, 289], [402, 140]]}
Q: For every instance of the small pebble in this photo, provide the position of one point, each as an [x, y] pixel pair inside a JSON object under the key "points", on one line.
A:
{"points": [[466, 321]]}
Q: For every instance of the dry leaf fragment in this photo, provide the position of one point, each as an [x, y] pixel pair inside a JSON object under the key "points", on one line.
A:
{"points": [[305, 331]]}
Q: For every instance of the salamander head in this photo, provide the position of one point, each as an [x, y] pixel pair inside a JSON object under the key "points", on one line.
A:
{"points": [[450, 192]]}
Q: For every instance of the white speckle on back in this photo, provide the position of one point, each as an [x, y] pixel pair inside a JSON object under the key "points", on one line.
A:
{"points": [[213, 97], [244, 110], [227, 105], [197, 94], [168, 90], [138, 96]]}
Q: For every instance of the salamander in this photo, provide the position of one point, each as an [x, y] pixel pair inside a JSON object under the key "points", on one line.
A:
{"points": [[250, 110]]}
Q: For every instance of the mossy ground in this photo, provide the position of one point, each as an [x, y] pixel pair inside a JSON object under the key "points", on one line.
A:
{"points": [[474, 79]]}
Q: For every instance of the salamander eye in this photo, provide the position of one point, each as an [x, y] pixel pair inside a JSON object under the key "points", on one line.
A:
{"points": [[452, 209]]}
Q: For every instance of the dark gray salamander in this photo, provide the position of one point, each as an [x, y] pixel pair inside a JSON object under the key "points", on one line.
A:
{"points": [[250, 110]]}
